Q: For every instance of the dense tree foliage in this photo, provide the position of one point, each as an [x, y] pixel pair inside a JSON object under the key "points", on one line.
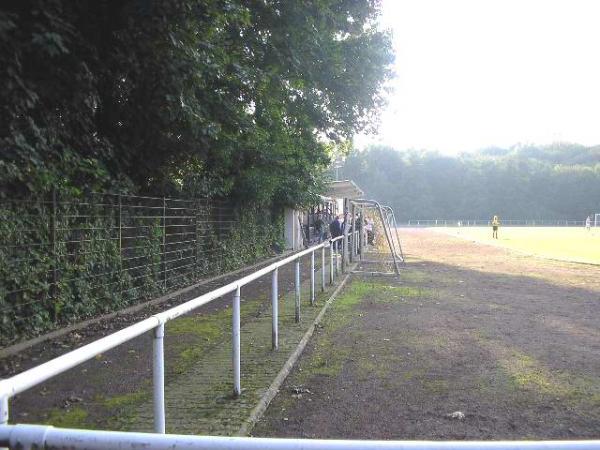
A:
{"points": [[560, 181], [217, 97]]}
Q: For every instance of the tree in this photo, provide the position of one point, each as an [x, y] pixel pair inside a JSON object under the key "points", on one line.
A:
{"points": [[217, 97], [543, 182]]}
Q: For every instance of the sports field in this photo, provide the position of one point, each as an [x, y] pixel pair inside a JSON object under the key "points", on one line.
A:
{"points": [[468, 343], [564, 243]]}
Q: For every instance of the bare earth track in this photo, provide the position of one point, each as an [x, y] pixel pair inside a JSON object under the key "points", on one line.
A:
{"points": [[511, 341]]}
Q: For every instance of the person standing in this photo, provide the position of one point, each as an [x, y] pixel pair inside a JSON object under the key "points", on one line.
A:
{"points": [[335, 229], [588, 223], [370, 235], [320, 228], [495, 226]]}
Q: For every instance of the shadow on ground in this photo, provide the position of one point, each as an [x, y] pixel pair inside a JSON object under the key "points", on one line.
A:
{"points": [[517, 355]]}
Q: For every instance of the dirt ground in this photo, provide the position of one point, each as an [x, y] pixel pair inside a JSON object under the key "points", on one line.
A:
{"points": [[473, 342]]}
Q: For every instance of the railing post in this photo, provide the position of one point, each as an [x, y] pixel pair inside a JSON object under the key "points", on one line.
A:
{"points": [[3, 410], [361, 235], [275, 306], [345, 252], [237, 386], [312, 278], [343, 255], [331, 273], [339, 256], [297, 279], [322, 269], [3, 414], [158, 369]]}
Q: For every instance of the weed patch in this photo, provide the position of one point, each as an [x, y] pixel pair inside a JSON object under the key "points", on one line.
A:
{"points": [[125, 400], [524, 373], [328, 357], [196, 334], [72, 418]]}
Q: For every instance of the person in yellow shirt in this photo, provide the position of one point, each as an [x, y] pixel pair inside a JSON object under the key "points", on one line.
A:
{"points": [[495, 225]]}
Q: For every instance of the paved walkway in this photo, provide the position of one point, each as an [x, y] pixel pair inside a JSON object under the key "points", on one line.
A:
{"points": [[200, 400]]}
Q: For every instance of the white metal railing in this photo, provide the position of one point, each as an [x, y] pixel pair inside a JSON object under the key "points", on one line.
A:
{"points": [[40, 437], [36, 375]]}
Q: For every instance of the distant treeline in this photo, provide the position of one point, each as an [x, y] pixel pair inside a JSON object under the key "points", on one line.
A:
{"points": [[558, 181]]}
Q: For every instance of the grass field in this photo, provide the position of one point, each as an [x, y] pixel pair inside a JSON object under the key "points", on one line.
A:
{"points": [[569, 244]]}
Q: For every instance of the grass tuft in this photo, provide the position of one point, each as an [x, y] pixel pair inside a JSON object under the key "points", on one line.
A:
{"points": [[72, 418]]}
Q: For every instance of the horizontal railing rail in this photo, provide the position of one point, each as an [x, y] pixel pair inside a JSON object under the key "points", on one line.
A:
{"points": [[36, 375], [40, 437]]}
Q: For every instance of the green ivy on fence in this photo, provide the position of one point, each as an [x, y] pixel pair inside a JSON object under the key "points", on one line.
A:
{"points": [[62, 262]]}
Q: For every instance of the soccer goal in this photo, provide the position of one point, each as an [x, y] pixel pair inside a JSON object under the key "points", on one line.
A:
{"points": [[597, 220], [380, 240]]}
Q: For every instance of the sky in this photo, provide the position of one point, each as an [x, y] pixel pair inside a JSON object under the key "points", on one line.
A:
{"points": [[472, 74]]}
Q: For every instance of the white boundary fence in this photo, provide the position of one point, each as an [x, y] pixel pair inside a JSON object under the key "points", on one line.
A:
{"points": [[487, 222], [30, 437]]}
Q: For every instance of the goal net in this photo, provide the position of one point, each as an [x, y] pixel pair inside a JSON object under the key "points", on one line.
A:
{"points": [[597, 220], [381, 251]]}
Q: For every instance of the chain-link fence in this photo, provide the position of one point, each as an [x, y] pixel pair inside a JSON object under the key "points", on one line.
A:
{"points": [[64, 259]]}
